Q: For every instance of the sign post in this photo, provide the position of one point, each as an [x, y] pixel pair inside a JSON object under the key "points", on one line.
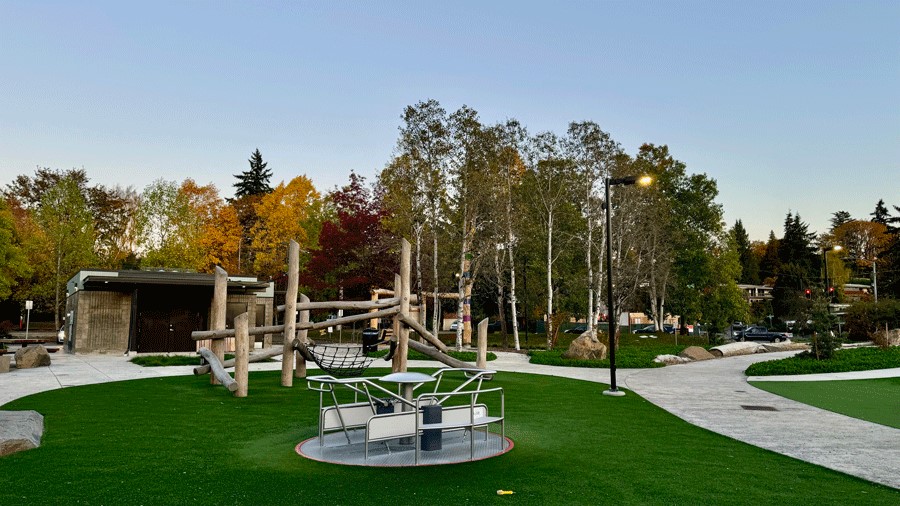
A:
{"points": [[28, 305]]}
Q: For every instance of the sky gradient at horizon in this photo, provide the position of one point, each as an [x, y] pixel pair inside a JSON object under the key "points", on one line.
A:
{"points": [[790, 106]]}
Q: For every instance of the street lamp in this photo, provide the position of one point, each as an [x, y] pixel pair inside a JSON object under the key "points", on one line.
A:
{"points": [[826, 249], [612, 319]]}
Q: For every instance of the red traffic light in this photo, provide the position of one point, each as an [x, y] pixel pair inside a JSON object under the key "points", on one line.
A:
{"points": [[830, 289]]}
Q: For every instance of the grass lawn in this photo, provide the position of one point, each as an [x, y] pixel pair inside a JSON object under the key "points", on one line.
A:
{"points": [[635, 352], [177, 440], [875, 400], [167, 360], [850, 359]]}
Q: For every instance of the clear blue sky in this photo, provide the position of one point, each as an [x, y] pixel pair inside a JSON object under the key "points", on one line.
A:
{"points": [[788, 105]]}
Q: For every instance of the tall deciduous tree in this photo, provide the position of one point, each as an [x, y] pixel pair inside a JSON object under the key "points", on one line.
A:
{"points": [[593, 152], [66, 220], [425, 145], [168, 228], [354, 249], [292, 211], [13, 264]]}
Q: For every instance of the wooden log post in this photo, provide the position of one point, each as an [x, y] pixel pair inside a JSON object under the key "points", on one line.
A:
{"points": [[241, 354], [481, 361], [290, 315], [373, 323], [395, 362], [405, 287], [300, 367], [217, 370], [217, 319]]}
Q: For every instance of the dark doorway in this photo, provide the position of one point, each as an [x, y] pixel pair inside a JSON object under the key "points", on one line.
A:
{"points": [[166, 318]]}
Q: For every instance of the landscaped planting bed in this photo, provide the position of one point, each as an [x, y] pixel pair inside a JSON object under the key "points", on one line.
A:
{"points": [[850, 359]]}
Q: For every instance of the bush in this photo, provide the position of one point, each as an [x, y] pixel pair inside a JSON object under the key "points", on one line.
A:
{"points": [[5, 327], [823, 340], [855, 359], [864, 318]]}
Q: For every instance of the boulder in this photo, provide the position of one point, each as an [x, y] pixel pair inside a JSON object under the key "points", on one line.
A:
{"points": [[586, 347], [735, 349], [4, 364], [32, 356], [696, 353], [887, 337], [671, 360], [20, 430], [785, 346]]}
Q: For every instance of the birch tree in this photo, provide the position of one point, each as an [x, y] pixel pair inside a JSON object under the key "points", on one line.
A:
{"points": [[592, 151], [424, 142], [550, 175]]}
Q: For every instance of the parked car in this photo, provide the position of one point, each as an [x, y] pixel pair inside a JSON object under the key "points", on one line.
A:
{"points": [[454, 325], [651, 329], [577, 329], [494, 326], [756, 333]]}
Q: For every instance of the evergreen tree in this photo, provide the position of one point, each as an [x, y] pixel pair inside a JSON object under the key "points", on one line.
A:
{"points": [[256, 180], [880, 214], [839, 218], [749, 262], [797, 245]]}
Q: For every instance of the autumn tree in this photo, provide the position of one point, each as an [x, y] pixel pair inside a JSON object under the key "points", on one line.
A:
{"points": [[13, 262], [354, 253], [115, 212], [292, 211], [68, 227]]}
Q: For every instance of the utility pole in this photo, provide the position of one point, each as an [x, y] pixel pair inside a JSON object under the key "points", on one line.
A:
{"points": [[875, 278]]}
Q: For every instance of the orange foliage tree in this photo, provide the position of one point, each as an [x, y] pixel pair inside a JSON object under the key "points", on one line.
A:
{"points": [[292, 211]]}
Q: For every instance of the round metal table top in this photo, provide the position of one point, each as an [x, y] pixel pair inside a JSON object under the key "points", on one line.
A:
{"points": [[407, 377]]}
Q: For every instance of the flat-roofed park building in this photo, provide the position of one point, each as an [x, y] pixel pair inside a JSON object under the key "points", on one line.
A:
{"points": [[153, 311]]}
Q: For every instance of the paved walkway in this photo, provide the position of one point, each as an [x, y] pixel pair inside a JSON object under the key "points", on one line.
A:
{"points": [[709, 394]]}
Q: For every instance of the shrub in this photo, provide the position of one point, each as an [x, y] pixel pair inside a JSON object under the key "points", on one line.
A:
{"points": [[864, 318], [5, 327], [855, 359]]}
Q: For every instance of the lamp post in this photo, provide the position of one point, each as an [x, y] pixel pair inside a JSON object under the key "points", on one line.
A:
{"points": [[612, 319], [825, 250]]}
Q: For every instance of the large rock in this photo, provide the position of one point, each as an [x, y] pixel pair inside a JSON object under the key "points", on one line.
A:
{"points": [[671, 359], [20, 430], [4, 363], [785, 346], [696, 353], [32, 356], [887, 337], [586, 347], [735, 349]]}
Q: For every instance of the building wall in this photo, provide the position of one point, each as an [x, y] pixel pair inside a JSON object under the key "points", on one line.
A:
{"points": [[102, 321]]}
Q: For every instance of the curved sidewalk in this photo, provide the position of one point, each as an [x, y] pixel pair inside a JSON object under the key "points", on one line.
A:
{"points": [[715, 395]]}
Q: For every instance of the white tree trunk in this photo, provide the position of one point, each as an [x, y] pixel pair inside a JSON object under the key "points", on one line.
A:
{"points": [[461, 287], [549, 280], [512, 291]]}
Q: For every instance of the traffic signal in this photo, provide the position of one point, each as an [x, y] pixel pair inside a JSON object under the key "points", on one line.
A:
{"points": [[831, 290], [808, 293]]}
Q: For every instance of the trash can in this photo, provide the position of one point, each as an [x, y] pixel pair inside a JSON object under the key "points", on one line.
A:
{"points": [[370, 339], [431, 438]]}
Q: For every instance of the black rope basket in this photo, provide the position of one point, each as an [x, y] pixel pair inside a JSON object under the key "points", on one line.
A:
{"points": [[340, 361]]}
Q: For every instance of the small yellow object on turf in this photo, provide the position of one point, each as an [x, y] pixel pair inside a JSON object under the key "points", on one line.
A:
{"points": [[505, 492]]}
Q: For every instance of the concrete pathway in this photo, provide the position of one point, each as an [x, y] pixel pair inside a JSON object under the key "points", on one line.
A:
{"points": [[715, 395], [709, 394]]}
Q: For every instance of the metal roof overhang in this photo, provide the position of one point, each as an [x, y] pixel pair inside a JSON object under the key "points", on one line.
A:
{"points": [[139, 278]]}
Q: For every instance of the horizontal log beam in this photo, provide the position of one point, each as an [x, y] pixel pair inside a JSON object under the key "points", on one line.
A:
{"points": [[345, 304], [413, 324], [349, 319], [437, 355], [444, 295], [200, 335], [256, 357], [218, 371]]}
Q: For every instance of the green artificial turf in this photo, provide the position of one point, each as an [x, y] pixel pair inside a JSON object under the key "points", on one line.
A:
{"points": [[178, 440], [850, 359], [875, 400]]}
